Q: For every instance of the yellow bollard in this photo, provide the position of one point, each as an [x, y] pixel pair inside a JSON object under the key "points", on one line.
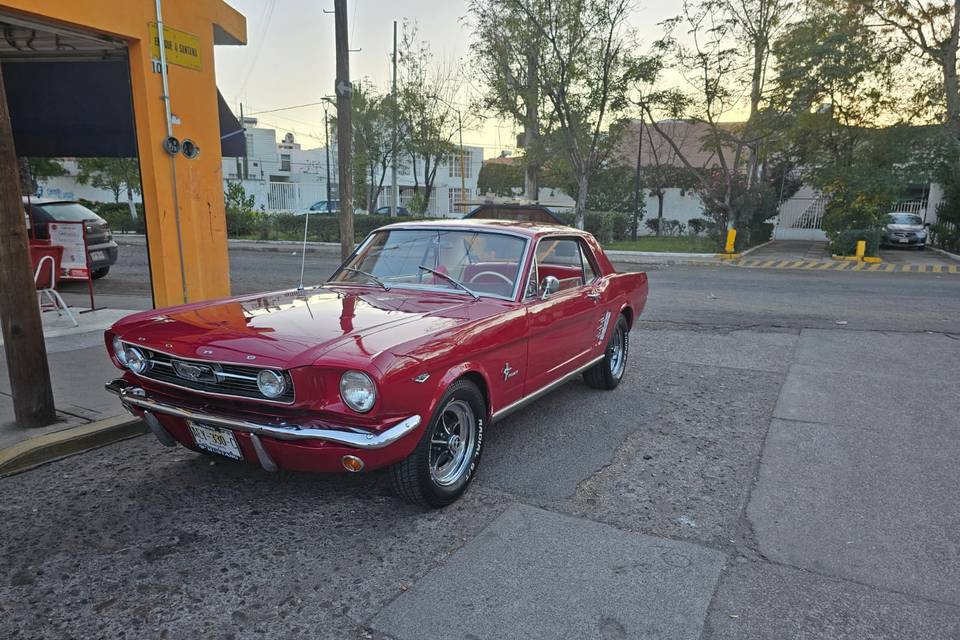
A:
{"points": [[731, 239], [861, 249]]}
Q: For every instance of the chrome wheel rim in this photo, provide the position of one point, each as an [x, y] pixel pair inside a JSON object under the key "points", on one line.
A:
{"points": [[618, 352], [452, 442]]}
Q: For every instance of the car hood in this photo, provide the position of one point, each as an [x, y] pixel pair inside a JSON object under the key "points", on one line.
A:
{"points": [[290, 328], [905, 227]]}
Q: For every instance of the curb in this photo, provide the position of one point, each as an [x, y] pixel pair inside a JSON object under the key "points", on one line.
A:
{"points": [[249, 245], [61, 444], [752, 249], [942, 252]]}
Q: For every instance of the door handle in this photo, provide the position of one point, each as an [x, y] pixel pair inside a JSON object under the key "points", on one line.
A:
{"points": [[594, 295]]}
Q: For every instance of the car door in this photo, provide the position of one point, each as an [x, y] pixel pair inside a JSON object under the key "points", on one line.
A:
{"points": [[563, 327]]}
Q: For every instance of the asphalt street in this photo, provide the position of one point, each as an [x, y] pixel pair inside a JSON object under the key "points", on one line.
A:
{"points": [[781, 461]]}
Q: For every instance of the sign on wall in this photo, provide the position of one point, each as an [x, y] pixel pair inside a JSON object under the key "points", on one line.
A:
{"points": [[70, 236], [182, 48]]}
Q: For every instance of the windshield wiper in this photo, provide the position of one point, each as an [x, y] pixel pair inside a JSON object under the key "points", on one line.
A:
{"points": [[372, 277], [452, 280]]}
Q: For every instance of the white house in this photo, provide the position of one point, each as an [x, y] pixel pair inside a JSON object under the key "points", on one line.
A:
{"points": [[282, 176]]}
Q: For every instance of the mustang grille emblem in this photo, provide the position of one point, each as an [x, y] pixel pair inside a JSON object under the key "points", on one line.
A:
{"points": [[194, 372]]}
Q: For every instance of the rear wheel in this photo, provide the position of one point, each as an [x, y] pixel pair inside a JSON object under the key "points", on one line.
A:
{"points": [[607, 373], [443, 464], [100, 273]]}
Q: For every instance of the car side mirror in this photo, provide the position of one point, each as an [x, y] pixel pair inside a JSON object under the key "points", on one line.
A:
{"points": [[926, 224], [548, 287]]}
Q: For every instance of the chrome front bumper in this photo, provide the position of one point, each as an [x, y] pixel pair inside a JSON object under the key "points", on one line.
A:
{"points": [[133, 396]]}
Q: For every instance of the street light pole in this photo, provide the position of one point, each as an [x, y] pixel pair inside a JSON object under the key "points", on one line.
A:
{"points": [[326, 144], [463, 174]]}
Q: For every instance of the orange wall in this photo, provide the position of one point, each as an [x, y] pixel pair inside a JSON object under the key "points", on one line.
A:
{"points": [[193, 96]]}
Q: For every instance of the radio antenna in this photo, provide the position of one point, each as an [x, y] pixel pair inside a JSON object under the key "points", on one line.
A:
{"points": [[303, 254]]}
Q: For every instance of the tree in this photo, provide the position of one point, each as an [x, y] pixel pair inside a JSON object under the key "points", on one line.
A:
{"points": [[500, 179], [374, 143], [34, 170], [930, 29], [506, 51], [585, 68], [429, 119], [115, 174]]}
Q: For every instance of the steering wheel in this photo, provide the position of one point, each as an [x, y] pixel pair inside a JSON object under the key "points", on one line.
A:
{"points": [[491, 273]]}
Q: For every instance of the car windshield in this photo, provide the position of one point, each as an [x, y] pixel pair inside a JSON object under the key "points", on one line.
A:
{"points": [[484, 263], [905, 218], [69, 212]]}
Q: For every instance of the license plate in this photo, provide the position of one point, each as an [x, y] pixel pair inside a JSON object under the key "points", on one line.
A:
{"points": [[903, 240], [215, 440], [98, 255]]}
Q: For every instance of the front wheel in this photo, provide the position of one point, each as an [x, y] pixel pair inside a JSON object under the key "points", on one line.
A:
{"points": [[607, 373], [443, 464]]}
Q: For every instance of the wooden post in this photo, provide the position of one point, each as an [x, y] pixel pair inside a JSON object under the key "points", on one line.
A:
{"points": [[19, 311], [344, 91]]}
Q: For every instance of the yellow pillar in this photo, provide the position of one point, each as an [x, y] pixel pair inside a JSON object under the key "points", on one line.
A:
{"points": [[731, 240], [192, 188], [861, 249]]}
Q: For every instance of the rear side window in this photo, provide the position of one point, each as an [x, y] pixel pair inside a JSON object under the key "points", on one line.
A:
{"points": [[68, 212]]}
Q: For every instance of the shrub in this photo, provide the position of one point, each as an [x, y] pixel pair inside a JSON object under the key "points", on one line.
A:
{"points": [[671, 227], [946, 235], [606, 226], [117, 215], [844, 243], [697, 226], [653, 224]]}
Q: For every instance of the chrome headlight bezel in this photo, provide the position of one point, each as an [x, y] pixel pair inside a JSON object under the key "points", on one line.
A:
{"points": [[272, 384], [136, 360], [358, 391], [119, 350]]}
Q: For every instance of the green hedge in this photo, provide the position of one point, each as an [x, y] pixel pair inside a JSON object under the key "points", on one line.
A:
{"points": [[844, 243], [286, 226], [606, 226]]}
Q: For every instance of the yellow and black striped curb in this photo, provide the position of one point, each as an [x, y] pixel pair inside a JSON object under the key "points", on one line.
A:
{"points": [[846, 265], [60, 444]]}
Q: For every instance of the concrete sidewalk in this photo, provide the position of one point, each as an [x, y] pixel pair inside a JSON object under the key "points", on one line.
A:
{"points": [[79, 366]]}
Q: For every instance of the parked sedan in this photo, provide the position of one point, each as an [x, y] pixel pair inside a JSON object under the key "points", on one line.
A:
{"points": [[905, 230], [321, 207], [100, 244], [385, 211], [427, 334]]}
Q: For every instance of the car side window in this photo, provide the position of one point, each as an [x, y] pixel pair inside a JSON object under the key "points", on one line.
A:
{"points": [[589, 272], [561, 258]]}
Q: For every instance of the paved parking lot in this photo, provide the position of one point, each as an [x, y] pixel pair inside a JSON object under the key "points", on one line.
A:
{"points": [[762, 472]]}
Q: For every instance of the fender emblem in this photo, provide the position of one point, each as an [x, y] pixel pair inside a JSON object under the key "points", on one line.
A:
{"points": [[602, 329], [508, 372], [420, 379]]}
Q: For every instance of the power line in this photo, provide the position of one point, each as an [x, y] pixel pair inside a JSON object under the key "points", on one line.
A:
{"points": [[296, 106], [268, 14]]}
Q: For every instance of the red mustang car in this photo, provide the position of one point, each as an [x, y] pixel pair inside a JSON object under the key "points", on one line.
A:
{"points": [[428, 333]]}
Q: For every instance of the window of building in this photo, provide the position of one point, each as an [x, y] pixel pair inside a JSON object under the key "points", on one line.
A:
{"points": [[403, 169], [467, 165], [284, 162], [457, 199]]}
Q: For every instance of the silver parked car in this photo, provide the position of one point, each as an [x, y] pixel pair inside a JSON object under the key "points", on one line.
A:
{"points": [[905, 230]]}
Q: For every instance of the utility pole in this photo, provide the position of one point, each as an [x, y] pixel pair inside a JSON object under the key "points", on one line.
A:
{"points": [[636, 195], [394, 191], [344, 91], [463, 179], [326, 137], [19, 312]]}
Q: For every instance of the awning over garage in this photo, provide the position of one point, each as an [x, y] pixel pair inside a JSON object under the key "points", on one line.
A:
{"points": [[82, 108]]}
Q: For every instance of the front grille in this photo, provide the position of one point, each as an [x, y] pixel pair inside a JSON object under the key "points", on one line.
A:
{"points": [[215, 377]]}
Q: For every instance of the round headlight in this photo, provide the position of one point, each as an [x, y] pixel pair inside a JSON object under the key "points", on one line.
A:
{"points": [[271, 383], [358, 391], [135, 360], [119, 351]]}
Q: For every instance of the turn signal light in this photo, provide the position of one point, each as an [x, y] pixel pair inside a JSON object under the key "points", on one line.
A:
{"points": [[352, 464]]}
